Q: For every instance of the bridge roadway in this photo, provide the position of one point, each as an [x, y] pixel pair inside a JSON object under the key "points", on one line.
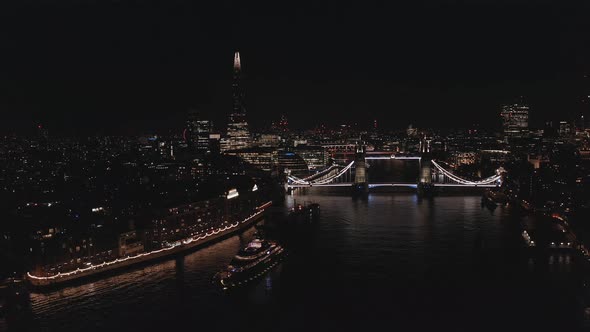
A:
{"points": [[392, 184]]}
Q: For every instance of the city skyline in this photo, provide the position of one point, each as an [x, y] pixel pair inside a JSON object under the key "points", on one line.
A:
{"points": [[399, 64], [175, 122], [310, 166]]}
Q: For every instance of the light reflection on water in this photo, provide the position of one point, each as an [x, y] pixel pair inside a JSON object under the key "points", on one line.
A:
{"points": [[444, 263]]}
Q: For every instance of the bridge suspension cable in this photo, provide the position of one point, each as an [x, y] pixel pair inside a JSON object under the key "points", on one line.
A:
{"points": [[322, 181], [310, 178], [320, 173], [311, 181], [490, 180]]}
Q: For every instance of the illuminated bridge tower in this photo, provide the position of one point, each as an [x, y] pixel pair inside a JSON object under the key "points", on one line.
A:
{"points": [[425, 185], [361, 181], [425, 170]]}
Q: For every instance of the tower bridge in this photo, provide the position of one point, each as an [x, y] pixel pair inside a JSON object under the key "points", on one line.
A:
{"points": [[354, 174]]}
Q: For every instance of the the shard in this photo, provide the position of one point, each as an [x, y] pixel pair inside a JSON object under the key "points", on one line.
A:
{"points": [[238, 135]]}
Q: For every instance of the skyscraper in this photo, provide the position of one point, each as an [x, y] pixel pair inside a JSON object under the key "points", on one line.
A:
{"points": [[515, 120], [238, 135], [198, 131], [281, 126], [565, 128]]}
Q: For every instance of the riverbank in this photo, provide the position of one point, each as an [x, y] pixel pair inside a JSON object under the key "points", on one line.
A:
{"points": [[184, 245]]}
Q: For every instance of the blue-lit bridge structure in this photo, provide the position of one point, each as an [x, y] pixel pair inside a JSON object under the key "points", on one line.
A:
{"points": [[431, 172]]}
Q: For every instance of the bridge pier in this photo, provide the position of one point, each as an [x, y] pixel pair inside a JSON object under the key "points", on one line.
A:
{"points": [[425, 186], [361, 182]]}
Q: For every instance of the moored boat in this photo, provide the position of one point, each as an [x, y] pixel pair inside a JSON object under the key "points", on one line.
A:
{"points": [[494, 197], [168, 249], [308, 212]]}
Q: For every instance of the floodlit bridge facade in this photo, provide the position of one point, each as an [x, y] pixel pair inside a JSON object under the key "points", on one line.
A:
{"points": [[431, 171]]}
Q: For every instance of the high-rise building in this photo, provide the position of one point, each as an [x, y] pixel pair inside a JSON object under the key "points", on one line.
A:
{"points": [[315, 156], [198, 131], [281, 126], [263, 158], [565, 128], [42, 132], [215, 143], [515, 120], [411, 131], [238, 135]]}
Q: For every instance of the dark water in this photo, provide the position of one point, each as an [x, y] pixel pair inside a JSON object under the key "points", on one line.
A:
{"points": [[391, 260], [393, 170]]}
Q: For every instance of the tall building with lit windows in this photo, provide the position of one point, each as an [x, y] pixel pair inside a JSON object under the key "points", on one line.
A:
{"points": [[515, 120], [198, 132], [238, 135]]}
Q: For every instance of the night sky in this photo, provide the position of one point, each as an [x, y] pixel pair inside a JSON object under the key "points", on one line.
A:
{"points": [[102, 66]]}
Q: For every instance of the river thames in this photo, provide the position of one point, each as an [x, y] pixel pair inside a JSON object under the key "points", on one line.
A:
{"points": [[394, 260]]}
